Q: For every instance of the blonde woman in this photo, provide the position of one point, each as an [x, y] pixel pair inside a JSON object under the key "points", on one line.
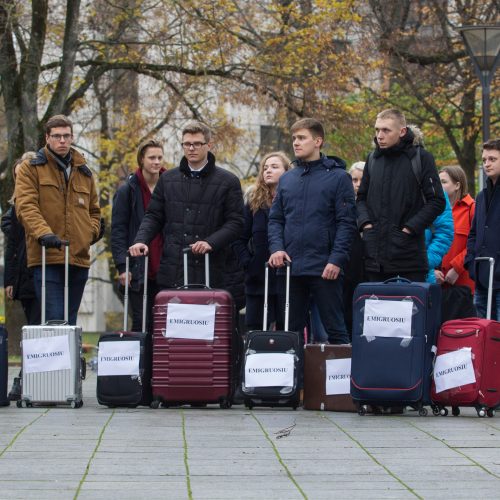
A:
{"points": [[252, 248]]}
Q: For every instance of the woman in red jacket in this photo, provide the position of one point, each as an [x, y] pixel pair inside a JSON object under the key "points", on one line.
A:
{"points": [[458, 303]]}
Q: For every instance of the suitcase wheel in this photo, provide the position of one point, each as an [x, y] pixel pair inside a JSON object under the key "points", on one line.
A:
{"points": [[19, 403], [435, 410], [423, 412], [443, 412], [76, 404], [248, 404], [490, 412], [155, 404], [481, 412], [455, 411], [225, 404], [362, 410]]}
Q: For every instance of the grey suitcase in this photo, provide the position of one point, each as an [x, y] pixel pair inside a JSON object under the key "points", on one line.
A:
{"points": [[55, 386]]}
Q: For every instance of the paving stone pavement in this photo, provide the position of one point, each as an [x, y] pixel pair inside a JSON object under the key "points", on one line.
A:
{"points": [[96, 452]]}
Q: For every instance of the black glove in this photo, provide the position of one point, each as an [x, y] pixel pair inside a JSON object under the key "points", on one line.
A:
{"points": [[101, 231], [50, 241]]}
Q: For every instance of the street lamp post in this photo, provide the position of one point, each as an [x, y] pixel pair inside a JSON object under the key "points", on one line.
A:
{"points": [[483, 45]]}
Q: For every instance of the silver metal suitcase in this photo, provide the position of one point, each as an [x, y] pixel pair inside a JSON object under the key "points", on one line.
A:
{"points": [[55, 386]]}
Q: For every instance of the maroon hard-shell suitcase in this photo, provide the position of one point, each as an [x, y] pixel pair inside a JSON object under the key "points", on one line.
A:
{"points": [[482, 336], [194, 371]]}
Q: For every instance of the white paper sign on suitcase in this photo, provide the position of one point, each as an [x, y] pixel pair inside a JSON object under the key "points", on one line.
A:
{"points": [[387, 318], [269, 370], [454, 369], [338, 376], [119, 358], [190, 321], [46, 354]]}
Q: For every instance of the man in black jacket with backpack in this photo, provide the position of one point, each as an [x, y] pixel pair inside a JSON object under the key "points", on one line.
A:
{"points": [[400, 195]]}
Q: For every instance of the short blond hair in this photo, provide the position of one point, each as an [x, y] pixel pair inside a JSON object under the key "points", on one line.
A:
{"points": [[393, 114]]}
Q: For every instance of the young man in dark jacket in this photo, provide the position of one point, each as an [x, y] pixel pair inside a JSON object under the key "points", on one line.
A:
{"points": [[197, 205], [484, 238], [394, 206], [129, 205], [312, 224]]}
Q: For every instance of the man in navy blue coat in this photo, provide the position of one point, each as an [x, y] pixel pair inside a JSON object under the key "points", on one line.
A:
{"points": [[484, 237], [312, 224]]}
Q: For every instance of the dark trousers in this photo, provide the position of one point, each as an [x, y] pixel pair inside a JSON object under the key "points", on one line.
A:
{"points": [[135, 302], [327, 295], [54, 292], [254, 315], [384, 276], [32, 311]]}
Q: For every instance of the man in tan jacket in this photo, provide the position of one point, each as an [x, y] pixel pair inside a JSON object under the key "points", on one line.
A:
{"points": [[56, 199]]}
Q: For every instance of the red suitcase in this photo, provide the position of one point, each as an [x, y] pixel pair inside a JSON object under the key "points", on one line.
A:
{"points": [[194, 371], [482, 336]]}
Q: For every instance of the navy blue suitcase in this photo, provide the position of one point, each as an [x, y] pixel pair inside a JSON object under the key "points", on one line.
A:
{"points": [[390, 372], [4, 366]]}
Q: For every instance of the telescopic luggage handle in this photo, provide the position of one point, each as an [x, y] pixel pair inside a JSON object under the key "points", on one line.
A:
{"points": [[185, 252], [266, 296], [144, 295], [65, 244], [397, 279], [491, 260]]}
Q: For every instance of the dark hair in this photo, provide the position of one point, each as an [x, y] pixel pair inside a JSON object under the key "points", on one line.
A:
{"points": [[314, 126], [492, 144], [143, 146], [58, 121], [457, 174], [197, 128], [393, 114]]}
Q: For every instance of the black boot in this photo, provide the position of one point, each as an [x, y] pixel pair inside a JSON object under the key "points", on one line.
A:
{"points": [[16, 391]]}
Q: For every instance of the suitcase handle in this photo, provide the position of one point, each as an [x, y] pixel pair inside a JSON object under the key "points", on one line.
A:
{"points": [[266, 295], [185, 252], [65, 244], [460, 335], [397, 279], [491, 260], [56, 322], [144, 295]]}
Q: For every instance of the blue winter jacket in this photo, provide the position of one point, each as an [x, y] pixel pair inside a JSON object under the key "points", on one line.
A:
{"points": [[313, 216], [438, 239]]}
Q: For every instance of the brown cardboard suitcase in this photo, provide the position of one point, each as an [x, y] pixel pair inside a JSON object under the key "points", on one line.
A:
{"points": [[315, 398]]}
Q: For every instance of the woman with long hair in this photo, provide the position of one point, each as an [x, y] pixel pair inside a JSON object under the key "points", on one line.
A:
{"points": [[252, 248], [458, 288]]}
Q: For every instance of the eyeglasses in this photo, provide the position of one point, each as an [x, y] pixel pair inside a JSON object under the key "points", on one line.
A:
{"points": [[194, 145], [58, 137]]}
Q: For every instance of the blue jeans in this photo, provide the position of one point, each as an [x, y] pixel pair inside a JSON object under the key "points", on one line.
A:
{"points": [[328, 296], [481, 302], [54, 291]]}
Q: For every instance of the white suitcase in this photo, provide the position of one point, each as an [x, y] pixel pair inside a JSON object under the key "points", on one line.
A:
{"points": [[53, 367]]}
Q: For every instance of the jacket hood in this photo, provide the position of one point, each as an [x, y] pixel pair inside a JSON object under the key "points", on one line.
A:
{"points": [[405, 145]]}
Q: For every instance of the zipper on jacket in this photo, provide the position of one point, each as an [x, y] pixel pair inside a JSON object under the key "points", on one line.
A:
{"points": [[432, 186]]}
